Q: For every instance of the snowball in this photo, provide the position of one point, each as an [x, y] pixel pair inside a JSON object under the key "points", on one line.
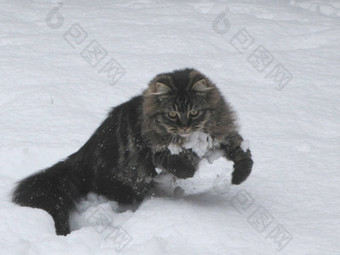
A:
{"points": [[213, 155]]}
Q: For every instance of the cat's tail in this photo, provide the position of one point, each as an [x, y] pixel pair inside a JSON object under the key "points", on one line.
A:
{"points": [[53, 190]]}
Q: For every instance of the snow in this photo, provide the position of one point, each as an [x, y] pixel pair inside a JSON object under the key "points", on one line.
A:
{"points": [[174, 148], [245, 145], [213, 155], [199, 142], [53, 95]]}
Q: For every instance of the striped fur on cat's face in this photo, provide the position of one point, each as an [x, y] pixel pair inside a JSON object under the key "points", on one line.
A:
{"points": [[180, 102]]}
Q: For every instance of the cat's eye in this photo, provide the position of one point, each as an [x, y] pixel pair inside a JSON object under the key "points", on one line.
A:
{"points": [[194, 113], [172, 114]]}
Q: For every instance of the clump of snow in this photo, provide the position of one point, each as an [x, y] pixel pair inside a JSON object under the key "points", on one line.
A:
{"points": [[245, 145], [158, 170], [200, 142], [174, 148]]}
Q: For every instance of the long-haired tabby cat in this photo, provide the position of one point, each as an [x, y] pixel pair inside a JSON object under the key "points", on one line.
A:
{"points": [[120, 158]]}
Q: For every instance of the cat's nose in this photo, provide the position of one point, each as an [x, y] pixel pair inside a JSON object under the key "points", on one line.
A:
{"points": [[185, 128]]}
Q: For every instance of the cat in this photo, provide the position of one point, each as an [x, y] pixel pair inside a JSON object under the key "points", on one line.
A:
{"points": [[119, 160]]}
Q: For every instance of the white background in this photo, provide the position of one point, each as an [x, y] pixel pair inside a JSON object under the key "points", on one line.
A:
{"points": [[51, 100]]}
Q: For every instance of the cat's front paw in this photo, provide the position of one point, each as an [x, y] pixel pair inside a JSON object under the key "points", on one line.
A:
{"points": [[184, 171], [242, 170], [183, 166]]}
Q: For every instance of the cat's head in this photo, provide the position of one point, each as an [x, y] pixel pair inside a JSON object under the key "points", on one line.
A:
{"points": [[181, 102]]}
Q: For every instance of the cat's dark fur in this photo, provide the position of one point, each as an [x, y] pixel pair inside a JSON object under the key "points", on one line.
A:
{"points": [[120, 158]]}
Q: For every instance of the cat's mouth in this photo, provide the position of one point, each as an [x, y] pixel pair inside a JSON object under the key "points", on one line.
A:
{"points": [[183, 132]]}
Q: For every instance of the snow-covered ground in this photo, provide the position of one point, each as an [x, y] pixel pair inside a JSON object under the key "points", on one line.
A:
{"points": [[277, 62]]}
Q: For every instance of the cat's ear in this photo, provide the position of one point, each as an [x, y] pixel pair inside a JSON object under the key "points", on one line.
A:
{"points": [[160, 89], [201, 86]]}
